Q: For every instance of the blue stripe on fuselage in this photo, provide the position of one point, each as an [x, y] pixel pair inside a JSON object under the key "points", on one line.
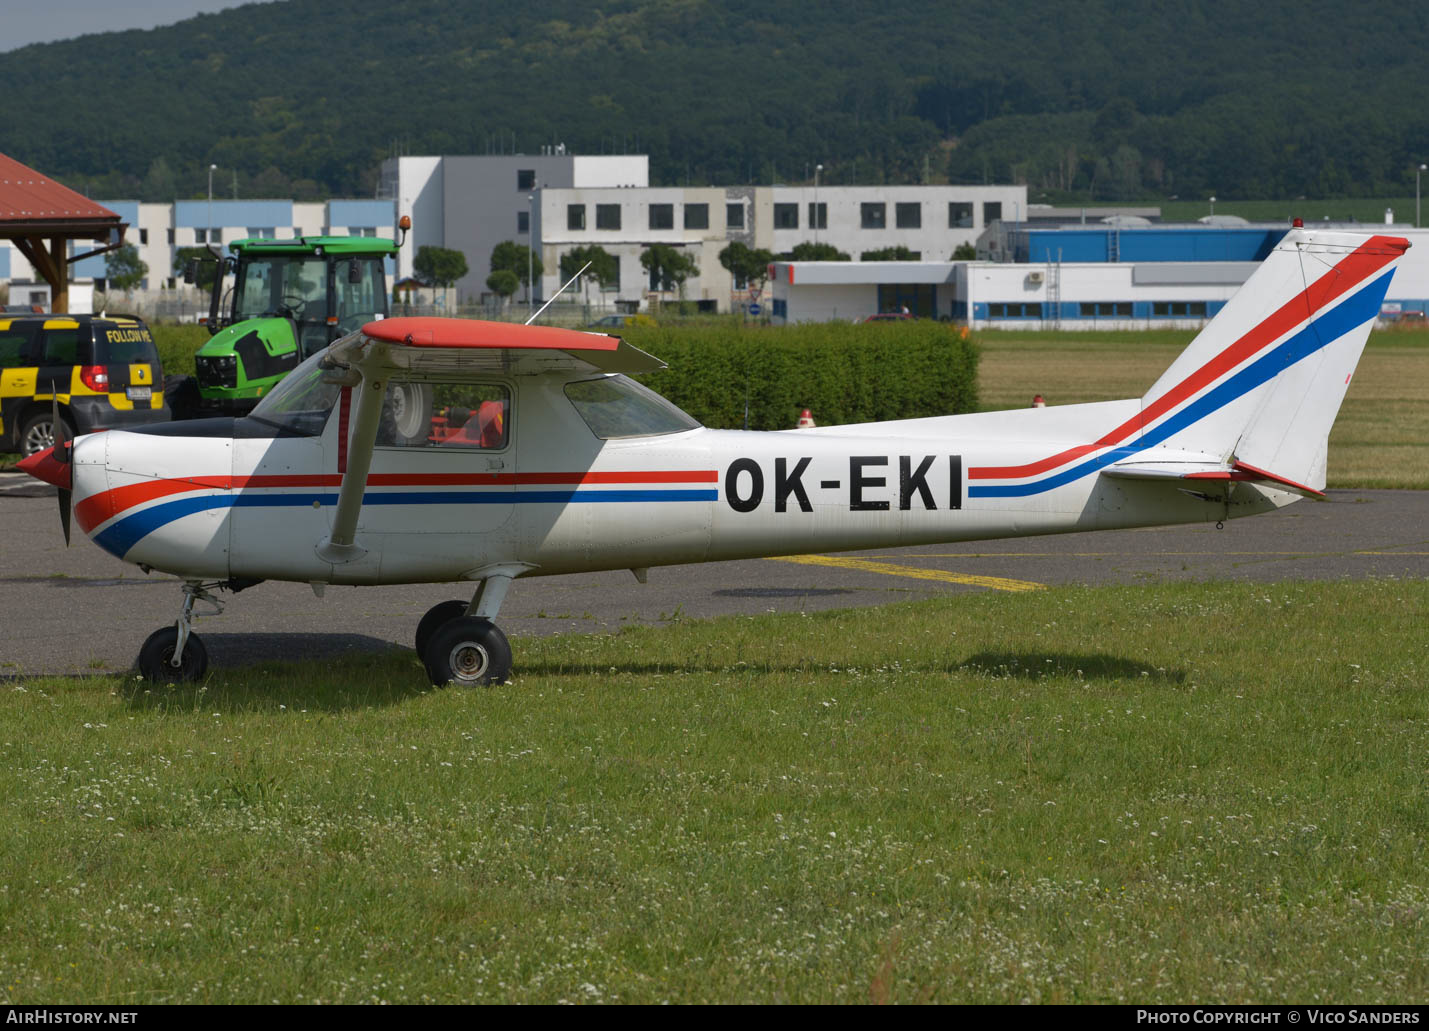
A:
{"points": [[118, 538]]}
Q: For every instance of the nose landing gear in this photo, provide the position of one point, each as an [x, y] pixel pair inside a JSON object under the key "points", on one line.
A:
{"points": [[174, 654]]}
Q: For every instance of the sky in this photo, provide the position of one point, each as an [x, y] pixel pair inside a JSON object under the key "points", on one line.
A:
{"points": [[24, 23]]}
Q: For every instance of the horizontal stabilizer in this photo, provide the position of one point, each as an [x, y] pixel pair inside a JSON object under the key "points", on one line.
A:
{"points": [[1203, 469]]}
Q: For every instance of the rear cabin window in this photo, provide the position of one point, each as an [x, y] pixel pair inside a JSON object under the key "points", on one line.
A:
{"points": [[615, 406]]}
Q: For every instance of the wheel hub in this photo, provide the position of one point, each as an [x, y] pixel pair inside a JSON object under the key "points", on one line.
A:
{"points": [[469, 661]]}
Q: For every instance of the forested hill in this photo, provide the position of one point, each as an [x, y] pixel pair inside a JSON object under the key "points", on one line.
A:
{"points": [[1095, 100]]}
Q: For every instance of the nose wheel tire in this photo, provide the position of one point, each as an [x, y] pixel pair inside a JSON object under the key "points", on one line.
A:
{"points": [[156, 658], [436, 616], [467, 651]]}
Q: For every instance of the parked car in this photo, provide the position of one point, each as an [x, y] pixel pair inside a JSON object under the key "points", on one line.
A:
{"points": [[612, 321], [98, 373]]}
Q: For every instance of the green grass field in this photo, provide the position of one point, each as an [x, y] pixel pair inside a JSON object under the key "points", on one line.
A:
{"points": [[1368, 211], [1196, 792]]}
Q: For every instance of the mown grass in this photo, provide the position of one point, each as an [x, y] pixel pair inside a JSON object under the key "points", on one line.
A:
{"points": [[1184, 792], [1380, 438]]}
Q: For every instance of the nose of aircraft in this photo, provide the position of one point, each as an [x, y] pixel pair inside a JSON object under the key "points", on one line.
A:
{"points": [[44, 465]]}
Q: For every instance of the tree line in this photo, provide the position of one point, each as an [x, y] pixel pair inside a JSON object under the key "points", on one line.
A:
{"points": [[1104, 101]]}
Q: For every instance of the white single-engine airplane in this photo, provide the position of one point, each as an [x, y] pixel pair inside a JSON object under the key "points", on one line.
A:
{"points": [[426, 450]]}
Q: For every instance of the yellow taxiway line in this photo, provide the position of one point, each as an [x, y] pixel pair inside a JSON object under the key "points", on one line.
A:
{"points": [[997, 583]]}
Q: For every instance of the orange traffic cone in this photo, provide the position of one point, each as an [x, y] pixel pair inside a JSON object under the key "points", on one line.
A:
{"points": [[806, 420]]}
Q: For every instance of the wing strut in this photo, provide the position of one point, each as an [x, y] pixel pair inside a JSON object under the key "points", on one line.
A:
{"points": [[340, 546]]}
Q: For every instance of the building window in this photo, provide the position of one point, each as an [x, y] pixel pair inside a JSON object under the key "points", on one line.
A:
{"points": [[960, 214], [662, 216], [1194, 309], [697, 216], [607, 216], [991, 212], [920, 299], [873, 215], [268, 232], [786, 216], [523, 221], [215, 235], [575, 216], [614, 285], [818, 215], [200, 236], [171, 236], [1104, 309], [143, 236], [734, 216], [908, 216], [525, 178], [1014, 311]]}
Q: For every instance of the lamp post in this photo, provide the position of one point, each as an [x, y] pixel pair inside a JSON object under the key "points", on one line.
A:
{"points": [[530, 253], [208, 231], [1417, 173], [1213, 205], [817, 170]]}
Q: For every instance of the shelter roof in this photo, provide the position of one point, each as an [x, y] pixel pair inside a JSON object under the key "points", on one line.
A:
{"points": [[35, 203]]}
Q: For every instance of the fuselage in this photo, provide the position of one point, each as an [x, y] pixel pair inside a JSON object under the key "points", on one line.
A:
{"points": [[234, 499]]}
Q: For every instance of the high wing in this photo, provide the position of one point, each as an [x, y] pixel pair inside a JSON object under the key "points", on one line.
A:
{"points": [[461, 345], [436, 346]]}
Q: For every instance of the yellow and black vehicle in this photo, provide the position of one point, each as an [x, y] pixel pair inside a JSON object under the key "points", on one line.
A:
{"points": [[99, 373]]}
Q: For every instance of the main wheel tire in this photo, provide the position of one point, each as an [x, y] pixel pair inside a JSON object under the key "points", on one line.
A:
{"points": [[158, 651], [468, 651], [38, 432], [436, 616]]}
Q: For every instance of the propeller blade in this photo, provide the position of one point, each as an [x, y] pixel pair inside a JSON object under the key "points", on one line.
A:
{"points": [[63, 453], [64, 513], [57, 432]]}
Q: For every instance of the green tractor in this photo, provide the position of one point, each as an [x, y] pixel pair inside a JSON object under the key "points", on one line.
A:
{"points": [[288, 299]]}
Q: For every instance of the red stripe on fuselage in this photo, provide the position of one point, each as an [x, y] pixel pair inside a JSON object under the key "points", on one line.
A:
{"points": [[1359, 265], [100, 507]]}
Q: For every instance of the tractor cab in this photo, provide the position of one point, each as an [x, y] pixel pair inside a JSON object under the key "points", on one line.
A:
{"points": [[273, 304]]}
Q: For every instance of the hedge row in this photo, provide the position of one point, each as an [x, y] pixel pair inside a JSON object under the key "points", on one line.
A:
{"points": [[842, 372], [177, 345]]}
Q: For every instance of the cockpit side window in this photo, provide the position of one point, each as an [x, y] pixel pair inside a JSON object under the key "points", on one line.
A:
{"points": [[614, 407], [446, 415]]}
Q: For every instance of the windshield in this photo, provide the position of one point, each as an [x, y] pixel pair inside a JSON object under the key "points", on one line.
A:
{"points": [[615, 406], [301, 402], [281, 285]]}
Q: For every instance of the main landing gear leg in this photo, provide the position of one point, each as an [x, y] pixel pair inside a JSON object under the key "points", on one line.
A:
{"points": [[463, 646], [175, 654]]}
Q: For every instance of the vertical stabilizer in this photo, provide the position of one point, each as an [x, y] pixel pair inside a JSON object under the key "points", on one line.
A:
{"points": [[1262, 383]]}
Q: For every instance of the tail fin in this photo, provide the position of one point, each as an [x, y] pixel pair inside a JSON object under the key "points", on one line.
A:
{"points": [[1260, 386]]}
